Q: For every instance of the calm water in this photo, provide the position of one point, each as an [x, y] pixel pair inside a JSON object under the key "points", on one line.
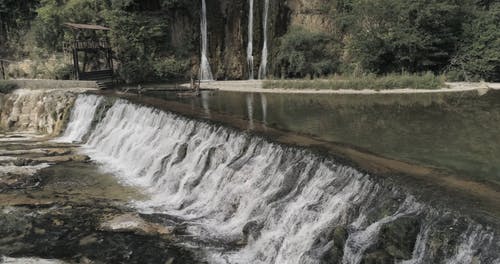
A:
{"points": [[455, 132]]}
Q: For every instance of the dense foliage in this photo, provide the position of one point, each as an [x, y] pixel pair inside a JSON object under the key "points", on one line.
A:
{"points": [[139, 36], [7, 87], [459, 38], [303, 52]]}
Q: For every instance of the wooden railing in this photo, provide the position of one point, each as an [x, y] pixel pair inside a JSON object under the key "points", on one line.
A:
{"points": [[83, 45], [96, 75]]}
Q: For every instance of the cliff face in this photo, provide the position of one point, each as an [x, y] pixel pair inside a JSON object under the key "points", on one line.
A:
{"points": [[35, 110], [312, 14], [228, 31]]}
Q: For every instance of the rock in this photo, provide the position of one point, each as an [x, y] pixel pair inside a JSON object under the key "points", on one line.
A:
{"points": [[63, 158], [90, 239], [135, 224], [337, 237], [396, 241], [36, 110]]}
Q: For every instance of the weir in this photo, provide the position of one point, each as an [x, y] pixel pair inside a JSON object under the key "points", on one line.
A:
{"points": [[272, 203]]}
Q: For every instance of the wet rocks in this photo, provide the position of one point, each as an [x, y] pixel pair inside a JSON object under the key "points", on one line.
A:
{"points": [[135, 224], [73, 232], [395, 243]]}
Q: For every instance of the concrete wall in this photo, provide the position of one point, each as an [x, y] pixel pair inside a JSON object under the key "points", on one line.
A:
{"points": [[53, 84]]}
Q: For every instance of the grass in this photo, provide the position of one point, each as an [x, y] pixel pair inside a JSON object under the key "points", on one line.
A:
{"points": [[370, 81], [7, 87]]}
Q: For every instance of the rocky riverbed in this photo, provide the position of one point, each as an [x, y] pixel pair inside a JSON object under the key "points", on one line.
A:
{"points": [[57, 207]]}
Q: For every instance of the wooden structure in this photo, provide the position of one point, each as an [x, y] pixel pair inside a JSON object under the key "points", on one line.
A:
{"points": [[3, 64], [86, 41]]}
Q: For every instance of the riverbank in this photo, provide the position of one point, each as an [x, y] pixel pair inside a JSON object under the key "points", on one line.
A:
{"points": [[256, 86]]}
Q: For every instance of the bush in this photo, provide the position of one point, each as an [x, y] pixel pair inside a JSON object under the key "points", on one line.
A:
{"points": [[7, 87], [306, 53], [480, 59], [412, 35], [42, 68], [135, 71], [171, 68]]}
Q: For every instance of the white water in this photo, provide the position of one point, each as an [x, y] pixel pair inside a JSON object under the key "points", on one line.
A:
{"points": [[250, 40], [230, 186], [205, 71], [83, 113], [263, 62], [6, 260]]}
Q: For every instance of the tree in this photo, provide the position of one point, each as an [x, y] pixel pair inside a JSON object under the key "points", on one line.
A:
{"points": [[15, 19], [303, 52], [405, 35], [480, 58]]}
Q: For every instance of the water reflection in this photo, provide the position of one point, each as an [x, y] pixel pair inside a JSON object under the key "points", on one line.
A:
{"points": [[457, 132], [263, 101], [250, 110], [205, 102]]}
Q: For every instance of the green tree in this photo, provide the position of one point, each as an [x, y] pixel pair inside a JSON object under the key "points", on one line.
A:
{"points": [[405, 35], [137, 40], [303, 52], [15, 19], [480, 58]]}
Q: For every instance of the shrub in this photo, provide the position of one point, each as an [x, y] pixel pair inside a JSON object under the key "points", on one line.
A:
{"points": [[303, 52], [171, 68], [7, 87], [480, 59], [368, 81]]}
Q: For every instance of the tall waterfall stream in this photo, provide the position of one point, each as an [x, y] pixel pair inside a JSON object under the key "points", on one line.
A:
{"points": [[205, 70], [250, 40], [263, 61], [255, 201]]}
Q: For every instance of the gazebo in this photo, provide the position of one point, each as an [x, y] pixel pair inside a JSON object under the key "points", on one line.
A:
{"points": [[86, 42]]}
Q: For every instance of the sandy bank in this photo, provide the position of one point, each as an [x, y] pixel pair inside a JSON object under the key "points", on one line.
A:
{"points": [[256, 87]]}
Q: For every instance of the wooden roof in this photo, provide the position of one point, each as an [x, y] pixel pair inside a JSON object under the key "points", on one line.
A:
{"points": [[85, 26]]}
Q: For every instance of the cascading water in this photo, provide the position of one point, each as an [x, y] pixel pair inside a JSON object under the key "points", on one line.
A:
{"points": [[205, 71], [250, 40], [282, 204], [83, 113], [263, 62]]}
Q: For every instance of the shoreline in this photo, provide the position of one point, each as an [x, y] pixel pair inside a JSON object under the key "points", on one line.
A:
{"points": [[255, 86]]}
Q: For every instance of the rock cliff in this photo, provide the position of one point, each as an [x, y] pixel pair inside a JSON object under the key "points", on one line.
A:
{"points": [[40, 111], [228, 30]]}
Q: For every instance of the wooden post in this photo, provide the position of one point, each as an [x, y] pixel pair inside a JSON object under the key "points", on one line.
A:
{"points": [[75, 62], [2, 69]]}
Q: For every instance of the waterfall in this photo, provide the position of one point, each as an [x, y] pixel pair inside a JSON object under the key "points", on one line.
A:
{"points": [[283, 204], [250, 40], [263, 62], [205, 71], [83, 113]]}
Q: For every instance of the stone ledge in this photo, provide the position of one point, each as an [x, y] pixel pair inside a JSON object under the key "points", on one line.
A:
{"points": [[53, 84]]}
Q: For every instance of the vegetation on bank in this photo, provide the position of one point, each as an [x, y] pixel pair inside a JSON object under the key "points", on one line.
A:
{"points": [[155, 40], [7, 87], [457, 38], [32, 33], [369, 81]]}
